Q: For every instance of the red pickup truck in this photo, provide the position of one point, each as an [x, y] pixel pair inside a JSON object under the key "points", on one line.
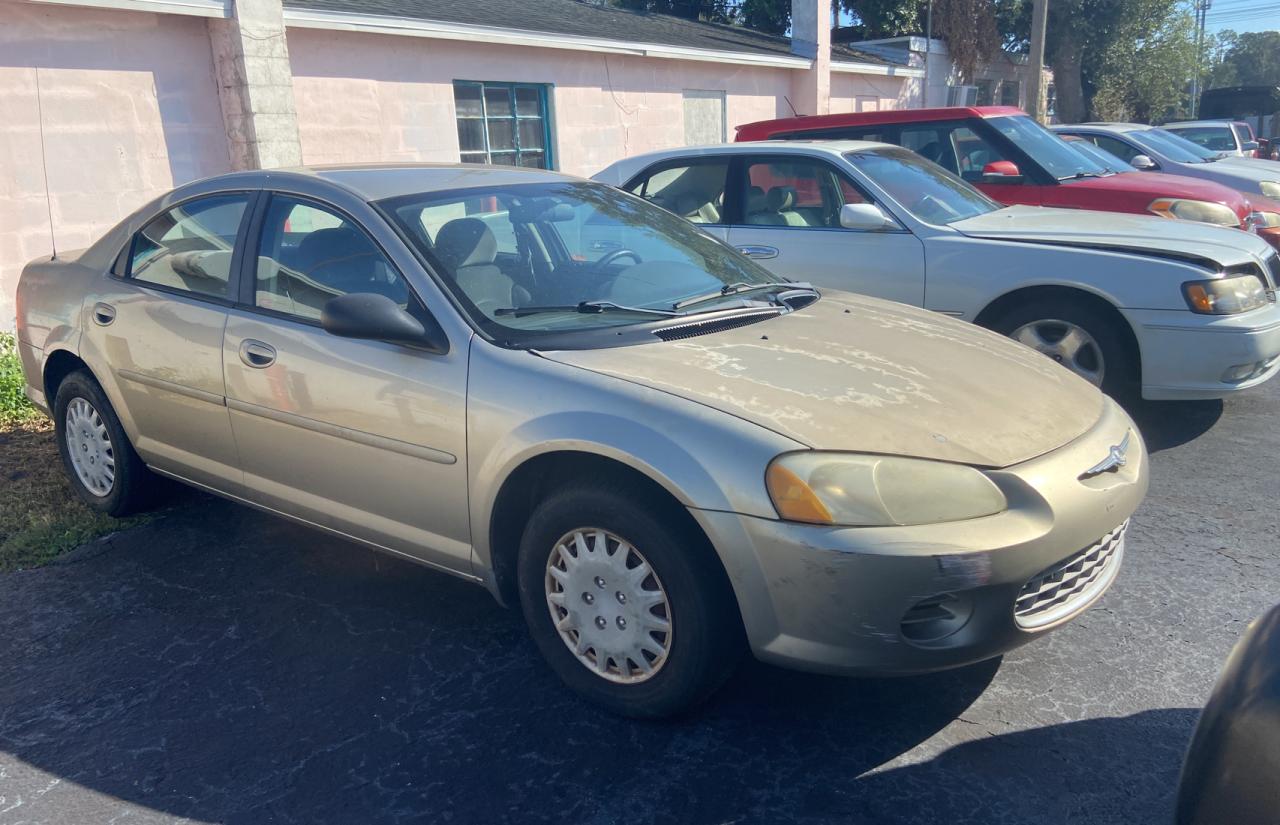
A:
{"points": [[1008, 155]]}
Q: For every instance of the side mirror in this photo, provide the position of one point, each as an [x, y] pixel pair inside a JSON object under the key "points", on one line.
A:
{"points": [[1249, 146], [1001, 171], [865, 216], [1142, 163], [374, 317]]}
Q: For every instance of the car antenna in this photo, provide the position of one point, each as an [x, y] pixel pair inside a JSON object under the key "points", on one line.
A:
{"points": [[794, 113], [44, 168]]}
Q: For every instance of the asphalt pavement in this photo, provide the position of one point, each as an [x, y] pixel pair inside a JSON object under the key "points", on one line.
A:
{"points": [[219, 665]]}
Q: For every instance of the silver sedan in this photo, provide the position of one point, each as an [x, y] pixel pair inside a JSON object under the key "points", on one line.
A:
{"points": [[657, 449]]}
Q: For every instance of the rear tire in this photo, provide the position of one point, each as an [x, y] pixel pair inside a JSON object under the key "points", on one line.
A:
{"points": [[599, 614], [101, 464], [1053, 327]]}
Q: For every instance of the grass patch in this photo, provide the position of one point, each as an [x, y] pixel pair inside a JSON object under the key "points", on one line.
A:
{"points": [[15, 409], [40, 516]]}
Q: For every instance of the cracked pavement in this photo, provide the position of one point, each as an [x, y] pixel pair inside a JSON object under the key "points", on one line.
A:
{"points": [[219, 665]]}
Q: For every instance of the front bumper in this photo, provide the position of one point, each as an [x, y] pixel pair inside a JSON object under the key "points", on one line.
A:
{"points": [[834, 599], [1187, 356]]}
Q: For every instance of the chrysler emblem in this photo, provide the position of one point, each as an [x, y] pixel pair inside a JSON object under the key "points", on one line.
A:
{"points": [[1115, 459]]}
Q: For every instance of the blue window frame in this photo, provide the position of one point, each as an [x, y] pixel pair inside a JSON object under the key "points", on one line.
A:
{"points": [[503, 123]]}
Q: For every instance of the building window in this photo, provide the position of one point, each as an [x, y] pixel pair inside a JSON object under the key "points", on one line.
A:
{"points": [[1010, 92], [986, 92], [503, 123]]}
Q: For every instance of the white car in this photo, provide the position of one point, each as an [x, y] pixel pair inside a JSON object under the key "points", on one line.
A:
{"points": [[1173, 309]]}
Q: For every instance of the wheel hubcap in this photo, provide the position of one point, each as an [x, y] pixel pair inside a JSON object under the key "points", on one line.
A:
{"points": [[608, 605], [1068, 344], [89, 445]]}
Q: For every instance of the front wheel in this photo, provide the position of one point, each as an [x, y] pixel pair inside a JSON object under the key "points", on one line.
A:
{"points": [[1080, 338], [627, 608]]}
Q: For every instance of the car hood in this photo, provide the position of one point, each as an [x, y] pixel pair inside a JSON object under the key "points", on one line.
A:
{"points": [[1162, 186], [855, 373], [1140, 234], [1233, 174]]}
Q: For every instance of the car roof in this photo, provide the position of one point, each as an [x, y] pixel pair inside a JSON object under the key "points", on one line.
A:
{"points": [[377, 181], [826, 147], [808, 122], [1113, 127], [1222, 122]]}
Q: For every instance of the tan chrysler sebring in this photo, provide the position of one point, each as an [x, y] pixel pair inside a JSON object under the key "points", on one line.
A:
{"points": [[588, 406]]}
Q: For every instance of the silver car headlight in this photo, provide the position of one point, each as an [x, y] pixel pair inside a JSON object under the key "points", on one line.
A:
{"points": [[1271, 188], [1225, 296], [852, 489], [1192, 210]]}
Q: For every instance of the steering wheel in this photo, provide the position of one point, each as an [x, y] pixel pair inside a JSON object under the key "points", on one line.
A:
{"points": [[615, 255]]}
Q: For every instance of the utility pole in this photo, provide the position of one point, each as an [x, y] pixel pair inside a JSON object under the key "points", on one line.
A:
{"points": [[1202, 13], [1035, 61]]}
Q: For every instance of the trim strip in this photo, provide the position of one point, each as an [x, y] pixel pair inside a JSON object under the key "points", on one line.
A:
{"points": [[358, 436], [194, 8], [169, 386]]}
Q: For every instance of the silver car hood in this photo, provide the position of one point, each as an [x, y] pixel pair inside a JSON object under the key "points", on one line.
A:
{"points": [[1140, 234], [855, 373]]}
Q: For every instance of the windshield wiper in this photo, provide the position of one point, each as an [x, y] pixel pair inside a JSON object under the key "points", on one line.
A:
{"points": [[738, 289], [1080, 176], [584, 307]]}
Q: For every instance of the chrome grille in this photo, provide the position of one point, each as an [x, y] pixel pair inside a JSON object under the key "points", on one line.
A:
{"points": [[1071, 584], [1273, 264]]}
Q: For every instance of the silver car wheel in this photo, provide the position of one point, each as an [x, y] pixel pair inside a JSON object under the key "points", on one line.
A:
{"points": [[89, 445], [608, 605], [1068, 344]]}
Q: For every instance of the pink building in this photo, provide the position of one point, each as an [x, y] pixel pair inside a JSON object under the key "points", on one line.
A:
{"points": [[107, 103]]}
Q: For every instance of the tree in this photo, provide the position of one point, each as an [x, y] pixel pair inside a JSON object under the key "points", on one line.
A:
{"points": [[1146, 80], [1249, 59], [969, 29], [1086, 41]]}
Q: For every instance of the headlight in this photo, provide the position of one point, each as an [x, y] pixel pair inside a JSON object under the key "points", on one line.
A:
{"points": [[877, 491], [1199, 211], [1271, 188], [1227, 296]]}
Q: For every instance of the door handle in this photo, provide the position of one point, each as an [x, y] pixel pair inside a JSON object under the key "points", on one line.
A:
{"points": [[759, 251], [103, 314], [257, 354]]}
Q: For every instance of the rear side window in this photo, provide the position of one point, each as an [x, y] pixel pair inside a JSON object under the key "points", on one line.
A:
{"points": [[190, 247], [309, 254], [694, 191]]}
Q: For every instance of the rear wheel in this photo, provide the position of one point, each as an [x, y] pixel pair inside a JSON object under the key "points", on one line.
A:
{"points": [[103, 468], [1079, 337], [629, 610]]}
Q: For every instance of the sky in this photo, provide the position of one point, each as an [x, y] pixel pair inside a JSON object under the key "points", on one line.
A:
{"points": [[1243, 15]]}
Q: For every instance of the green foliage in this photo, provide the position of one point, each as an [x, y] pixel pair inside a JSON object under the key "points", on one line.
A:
{"points": [[874, 19], [1249, 59], [14, 406], [1145, 80]]}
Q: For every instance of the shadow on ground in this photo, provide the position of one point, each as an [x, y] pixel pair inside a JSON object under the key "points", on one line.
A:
{"points": [[1168, 424], [221, 665]]}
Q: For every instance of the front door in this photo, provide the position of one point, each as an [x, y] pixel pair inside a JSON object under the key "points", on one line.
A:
{"points": [[154, 332], [790, 224], [364, 437]]}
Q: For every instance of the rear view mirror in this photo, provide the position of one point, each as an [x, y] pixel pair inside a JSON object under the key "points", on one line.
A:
{"points": [[1001, 171], [865, 216], [374, 317], [1142, 162]]}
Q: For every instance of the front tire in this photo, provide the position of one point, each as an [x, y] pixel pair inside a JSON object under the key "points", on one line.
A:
{"points": [[1079, 337], [627, 608], [100, 462]]}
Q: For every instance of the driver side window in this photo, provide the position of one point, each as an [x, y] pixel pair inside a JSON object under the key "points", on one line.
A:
{"points": [[1118, 148], [796, 192]]}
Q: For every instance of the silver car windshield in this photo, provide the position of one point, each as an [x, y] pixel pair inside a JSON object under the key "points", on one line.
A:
{"points": [[531, 261], [923, 188], [1175, 148]]}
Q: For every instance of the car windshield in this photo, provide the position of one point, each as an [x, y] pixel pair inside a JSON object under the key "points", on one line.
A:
{"points": [[1046, 148], [1209, 138], [1175, 148], [1096, 152], [535, 260], [923, 188]]}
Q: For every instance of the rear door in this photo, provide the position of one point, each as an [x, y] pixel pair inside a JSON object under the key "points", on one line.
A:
{"points": [[155, 327], [694, 188], [789, 221]]}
